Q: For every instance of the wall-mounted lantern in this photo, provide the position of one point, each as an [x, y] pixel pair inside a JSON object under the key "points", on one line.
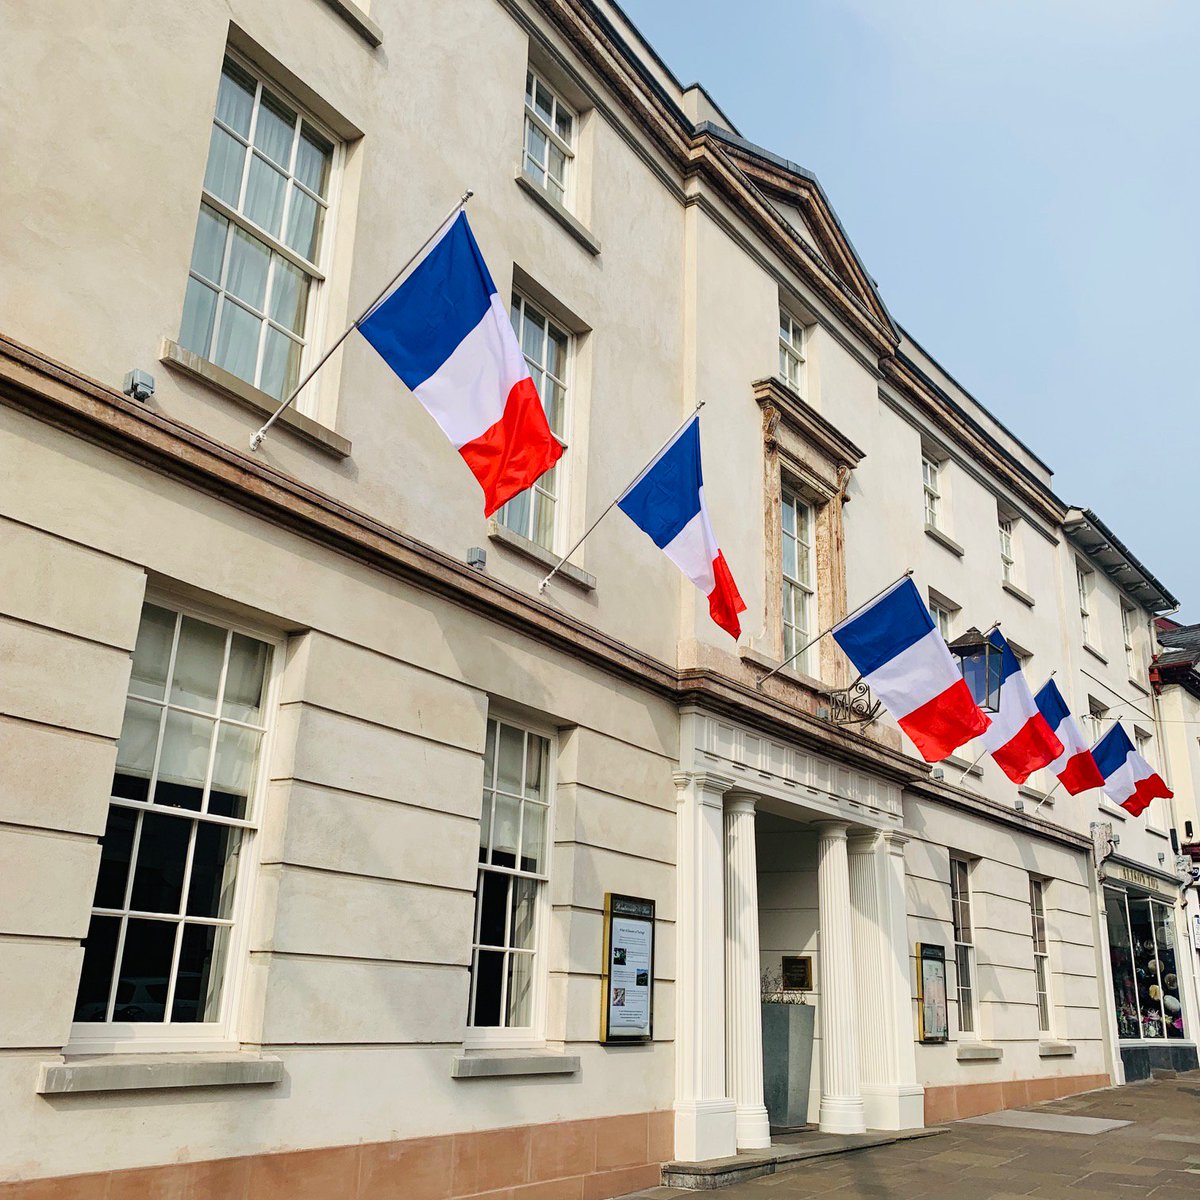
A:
{"points": [[981, 665]]}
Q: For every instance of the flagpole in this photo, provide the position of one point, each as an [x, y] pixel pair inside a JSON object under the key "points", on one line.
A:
{"points": [[1047, 796], [776, 670], [257, 439], [587, 533]]}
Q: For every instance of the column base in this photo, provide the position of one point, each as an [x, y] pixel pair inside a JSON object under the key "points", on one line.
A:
{"points": [[842, 1115], [705, 1129], [894, 1105], [753, 1128]]}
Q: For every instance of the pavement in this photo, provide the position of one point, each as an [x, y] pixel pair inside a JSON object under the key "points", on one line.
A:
{"points": [[1138, 1141]]}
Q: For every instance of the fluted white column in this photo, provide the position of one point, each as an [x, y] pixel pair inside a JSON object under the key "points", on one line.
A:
{"points": [[841, 1097], [743, 1005], [705, 1124], [892, 1097]]}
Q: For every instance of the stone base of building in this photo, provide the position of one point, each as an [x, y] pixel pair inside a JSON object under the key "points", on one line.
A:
{"points": [[591, 1160], [954, 1102], [1141, 1061]]}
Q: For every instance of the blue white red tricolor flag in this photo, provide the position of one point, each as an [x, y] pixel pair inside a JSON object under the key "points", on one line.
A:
{"points": [[897, 649], [1129, 780], [1020, 739], [1075, 767], [666, 502], [446, 333]]}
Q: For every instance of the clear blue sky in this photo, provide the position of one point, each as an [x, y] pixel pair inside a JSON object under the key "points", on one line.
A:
{"points": [[1022, 179]]}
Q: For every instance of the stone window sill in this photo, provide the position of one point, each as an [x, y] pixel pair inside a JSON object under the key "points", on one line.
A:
{"points": [[973, 770], [568, 221], [358, 21], [1020, 593], [944, 540], [501, 1063], [252, 398], [767, 664], [1113, 810], [978, 1052], [1095, 653], [540, 555], [1052, 1049], [143, 1072], [1045, 799]]}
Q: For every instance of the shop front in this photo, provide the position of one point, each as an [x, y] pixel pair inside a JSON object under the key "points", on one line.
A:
{"points": [[1153, 1025]]}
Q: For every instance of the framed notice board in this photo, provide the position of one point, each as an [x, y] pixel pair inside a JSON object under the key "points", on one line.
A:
{"points": [[627, 1003], [933, 1016]]}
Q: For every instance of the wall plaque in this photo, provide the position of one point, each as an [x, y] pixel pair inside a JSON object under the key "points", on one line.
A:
{"points": [[932, 1013], [797, 973], [627, 1010]]}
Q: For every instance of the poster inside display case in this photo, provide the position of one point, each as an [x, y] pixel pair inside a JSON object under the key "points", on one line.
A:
{"points": [[933, 1014], [627, 1013], [1146, 990]]}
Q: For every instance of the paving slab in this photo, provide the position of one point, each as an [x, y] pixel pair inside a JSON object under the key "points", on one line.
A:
{"points": [[1046, 1122]]}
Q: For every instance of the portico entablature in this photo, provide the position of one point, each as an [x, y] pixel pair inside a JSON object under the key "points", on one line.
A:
{"points": [[769, 767]]}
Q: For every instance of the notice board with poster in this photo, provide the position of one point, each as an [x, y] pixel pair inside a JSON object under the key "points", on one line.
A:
{"points": [[627, 1008], [932, 1010]]}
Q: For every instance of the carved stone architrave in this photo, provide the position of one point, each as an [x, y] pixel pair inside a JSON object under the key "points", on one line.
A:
{"points": [[805, 451]]}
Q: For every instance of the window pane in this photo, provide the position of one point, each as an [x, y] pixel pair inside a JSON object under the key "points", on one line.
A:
{"points": [[199, 306], [304, 224], [489, 754], [99, 954], [161, 857], [152, 654], [533, 337], [198, 661], [249, 260], [563, 125], [510, 760], [264, 195], [201, 970], [223, 174], [489, 969], [135, 750], [789, 557], [493, 908], [237, 341], [515, 514], [289, 295], [116, 848], [506, 816], [534, 171], [235, 98], [535, 761], [533, 838], [244, 679], [276, 130], [233, 771], [281, 364], [543, 526], [542, 102], [556, 190], [313, 156], [208, 250], [214, 870], [520, 991], [554, 402], [557, 163], [145, 970], [183, 762]]}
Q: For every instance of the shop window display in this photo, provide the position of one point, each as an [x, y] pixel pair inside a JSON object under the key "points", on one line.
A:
{"points": [[1145, 979]]}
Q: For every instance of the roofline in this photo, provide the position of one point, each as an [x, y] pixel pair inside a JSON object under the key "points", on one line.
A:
{"points": [[1071, 523], [793, 168]]}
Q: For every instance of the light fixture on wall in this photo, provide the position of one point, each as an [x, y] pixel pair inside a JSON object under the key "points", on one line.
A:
{"points": [[981, 664]]}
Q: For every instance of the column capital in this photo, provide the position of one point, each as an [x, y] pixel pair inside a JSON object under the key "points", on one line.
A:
{"points": [[863, 841], [710, 785], [832, 829], [740, 802], [895, 839]]}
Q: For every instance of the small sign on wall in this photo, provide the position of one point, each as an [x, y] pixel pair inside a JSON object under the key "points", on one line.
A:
{"points": [[933, 1015], [627, 1011], [797, 973]]}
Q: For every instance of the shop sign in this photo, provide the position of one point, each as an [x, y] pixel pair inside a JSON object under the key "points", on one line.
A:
{"points": [[1119, 872], [933, 1016], [627, 1013]]}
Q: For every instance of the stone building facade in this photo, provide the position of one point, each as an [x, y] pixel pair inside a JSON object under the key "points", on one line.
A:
{"points": [[307, 825]]}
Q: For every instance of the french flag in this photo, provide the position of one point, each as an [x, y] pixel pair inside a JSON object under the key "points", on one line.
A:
{"points": [[666, 502], [1129, 780], [1075, 767], [446, 333], [1020, 739], [895, 646]]}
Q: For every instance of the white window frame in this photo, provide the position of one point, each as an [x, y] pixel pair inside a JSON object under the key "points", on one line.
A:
{"points": [[567, 147], [931, 487], [1129, 635], [558, 473], [164, 1036], [943, 618], [316, 270], [1095, 719], [1008, 561], [1041, 955], [1085, 582], [792, 338], [964, 951], [794, 587], [533, 1035]]}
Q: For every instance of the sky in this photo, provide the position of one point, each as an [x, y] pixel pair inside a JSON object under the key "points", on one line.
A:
{"points": [[1022, 180]]}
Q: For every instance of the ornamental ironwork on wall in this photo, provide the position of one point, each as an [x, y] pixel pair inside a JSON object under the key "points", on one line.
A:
{"points": [[853, 705]]}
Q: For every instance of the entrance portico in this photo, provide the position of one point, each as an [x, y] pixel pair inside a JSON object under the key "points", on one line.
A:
{"points": [[866, 1061]]}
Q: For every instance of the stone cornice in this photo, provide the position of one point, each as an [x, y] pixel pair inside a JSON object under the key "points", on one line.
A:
{"points": [[58, 396], [803, 419], [972, 438]]}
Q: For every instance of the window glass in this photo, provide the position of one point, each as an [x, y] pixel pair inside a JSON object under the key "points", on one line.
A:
{"points": [[549, 139], [964, 949], [799, 593], [178, 821]]}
